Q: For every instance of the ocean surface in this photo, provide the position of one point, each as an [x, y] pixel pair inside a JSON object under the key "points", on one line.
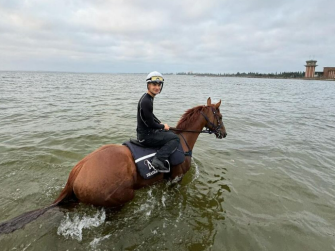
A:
{"points": [[270, 185]]}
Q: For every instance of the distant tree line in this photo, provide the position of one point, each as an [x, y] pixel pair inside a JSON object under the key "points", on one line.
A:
{"points": [[298, 74]]}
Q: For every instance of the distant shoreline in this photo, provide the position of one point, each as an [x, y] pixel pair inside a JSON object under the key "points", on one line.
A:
{"points": [[267, 77], [184, 74]]}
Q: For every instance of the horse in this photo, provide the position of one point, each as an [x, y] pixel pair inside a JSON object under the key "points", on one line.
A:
{"points": [[108, 177]]}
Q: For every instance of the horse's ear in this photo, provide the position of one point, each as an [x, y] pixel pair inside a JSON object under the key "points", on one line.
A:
{"points": [[209, 101], [218, 104]]}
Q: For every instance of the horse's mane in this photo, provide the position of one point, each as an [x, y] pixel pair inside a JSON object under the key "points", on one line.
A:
{"points": [[189, 117]]}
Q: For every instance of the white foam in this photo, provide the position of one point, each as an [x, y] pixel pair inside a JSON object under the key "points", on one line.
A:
{"points": [[147, 206], [175, 180], [73, 228], [163, 200], [94, 244], [197, 172]]}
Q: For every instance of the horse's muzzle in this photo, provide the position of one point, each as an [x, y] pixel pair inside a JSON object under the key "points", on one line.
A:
{"points": [[220, 135]]}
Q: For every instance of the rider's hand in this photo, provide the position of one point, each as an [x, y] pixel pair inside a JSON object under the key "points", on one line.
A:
{"points": [[166, 127]]}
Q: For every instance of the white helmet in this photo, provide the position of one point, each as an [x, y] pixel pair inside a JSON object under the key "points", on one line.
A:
{"points": [[155, 77]]}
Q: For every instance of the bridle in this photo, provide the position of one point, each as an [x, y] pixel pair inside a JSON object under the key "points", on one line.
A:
{"points": [[214, 129], [210, 127]]}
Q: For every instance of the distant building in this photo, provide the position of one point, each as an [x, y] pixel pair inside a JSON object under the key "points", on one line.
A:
{"points": [[310, 68], [329, 72]]}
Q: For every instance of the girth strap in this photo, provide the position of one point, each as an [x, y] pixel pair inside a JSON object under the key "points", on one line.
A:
{"points": [[189, 152]]}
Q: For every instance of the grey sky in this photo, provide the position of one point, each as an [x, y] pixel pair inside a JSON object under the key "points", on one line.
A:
{"points": [[169, 36]]}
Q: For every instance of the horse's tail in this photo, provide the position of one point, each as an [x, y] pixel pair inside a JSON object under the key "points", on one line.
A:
{"points": [[25, 218]]}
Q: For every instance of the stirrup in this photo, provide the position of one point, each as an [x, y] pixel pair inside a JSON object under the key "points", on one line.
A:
{"points": [[162, 167]]}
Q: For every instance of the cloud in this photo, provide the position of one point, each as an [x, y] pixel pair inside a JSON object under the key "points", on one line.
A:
{"points": [[134, 36]]}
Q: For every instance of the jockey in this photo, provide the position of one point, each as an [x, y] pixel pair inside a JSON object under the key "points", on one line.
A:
{"points": [[150, 131]]}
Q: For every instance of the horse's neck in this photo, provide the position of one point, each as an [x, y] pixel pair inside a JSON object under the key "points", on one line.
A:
{"points": [[192, 137]]}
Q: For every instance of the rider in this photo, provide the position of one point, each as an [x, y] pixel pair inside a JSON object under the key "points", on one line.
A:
{"points": [[150, 131]]}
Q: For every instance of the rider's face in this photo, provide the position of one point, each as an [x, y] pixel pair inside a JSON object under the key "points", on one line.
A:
{"points": [[154, 88]]}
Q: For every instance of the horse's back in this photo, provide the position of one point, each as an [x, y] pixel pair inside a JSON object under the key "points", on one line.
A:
{"points": [[106, 177]]}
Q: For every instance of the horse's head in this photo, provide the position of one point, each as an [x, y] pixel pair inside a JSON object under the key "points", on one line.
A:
{"points": [[213, 119]]}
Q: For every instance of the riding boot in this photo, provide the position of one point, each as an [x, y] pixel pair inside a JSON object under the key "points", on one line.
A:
{"points": [[161, 166], [167, 149]]}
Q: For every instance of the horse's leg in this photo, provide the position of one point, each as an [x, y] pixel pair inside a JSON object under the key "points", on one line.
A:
{"points": [[179, 171], [107, 178]]}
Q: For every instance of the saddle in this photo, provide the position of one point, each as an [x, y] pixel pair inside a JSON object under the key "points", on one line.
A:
{"points": [[143, 156]]}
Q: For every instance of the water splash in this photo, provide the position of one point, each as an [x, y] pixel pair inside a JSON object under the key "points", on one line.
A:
{"points": [[163, 200], [197, 172], [151, 202], [94, 244], [73, 228]]}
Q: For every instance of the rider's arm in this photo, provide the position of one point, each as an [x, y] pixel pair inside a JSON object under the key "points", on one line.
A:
{"points": [[148, 116], [156, 119]]}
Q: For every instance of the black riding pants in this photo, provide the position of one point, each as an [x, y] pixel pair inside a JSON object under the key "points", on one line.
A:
{"points": [[166, 140]]}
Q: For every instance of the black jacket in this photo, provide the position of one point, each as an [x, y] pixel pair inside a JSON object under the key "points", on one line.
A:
{"points": [[146, 119]]}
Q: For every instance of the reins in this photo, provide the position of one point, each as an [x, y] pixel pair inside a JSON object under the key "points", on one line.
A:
{"points": [[182, 130]]}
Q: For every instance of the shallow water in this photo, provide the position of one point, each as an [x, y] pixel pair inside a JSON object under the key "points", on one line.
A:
{"points": [[268, 186]]}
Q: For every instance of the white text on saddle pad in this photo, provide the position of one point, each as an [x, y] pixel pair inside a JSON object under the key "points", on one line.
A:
{"points": [[147, 163]]}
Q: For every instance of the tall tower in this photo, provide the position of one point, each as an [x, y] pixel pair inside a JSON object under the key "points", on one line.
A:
{"points": [[310, 68]]}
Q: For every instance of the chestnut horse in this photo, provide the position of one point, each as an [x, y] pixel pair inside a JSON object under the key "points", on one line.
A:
{"points": [[108, 177]]}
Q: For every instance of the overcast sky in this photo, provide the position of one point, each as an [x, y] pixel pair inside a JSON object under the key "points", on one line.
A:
{"points": [[139, 36]]}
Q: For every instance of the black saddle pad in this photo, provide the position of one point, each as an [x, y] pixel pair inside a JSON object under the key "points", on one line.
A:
{"points": [[143, 156]]}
